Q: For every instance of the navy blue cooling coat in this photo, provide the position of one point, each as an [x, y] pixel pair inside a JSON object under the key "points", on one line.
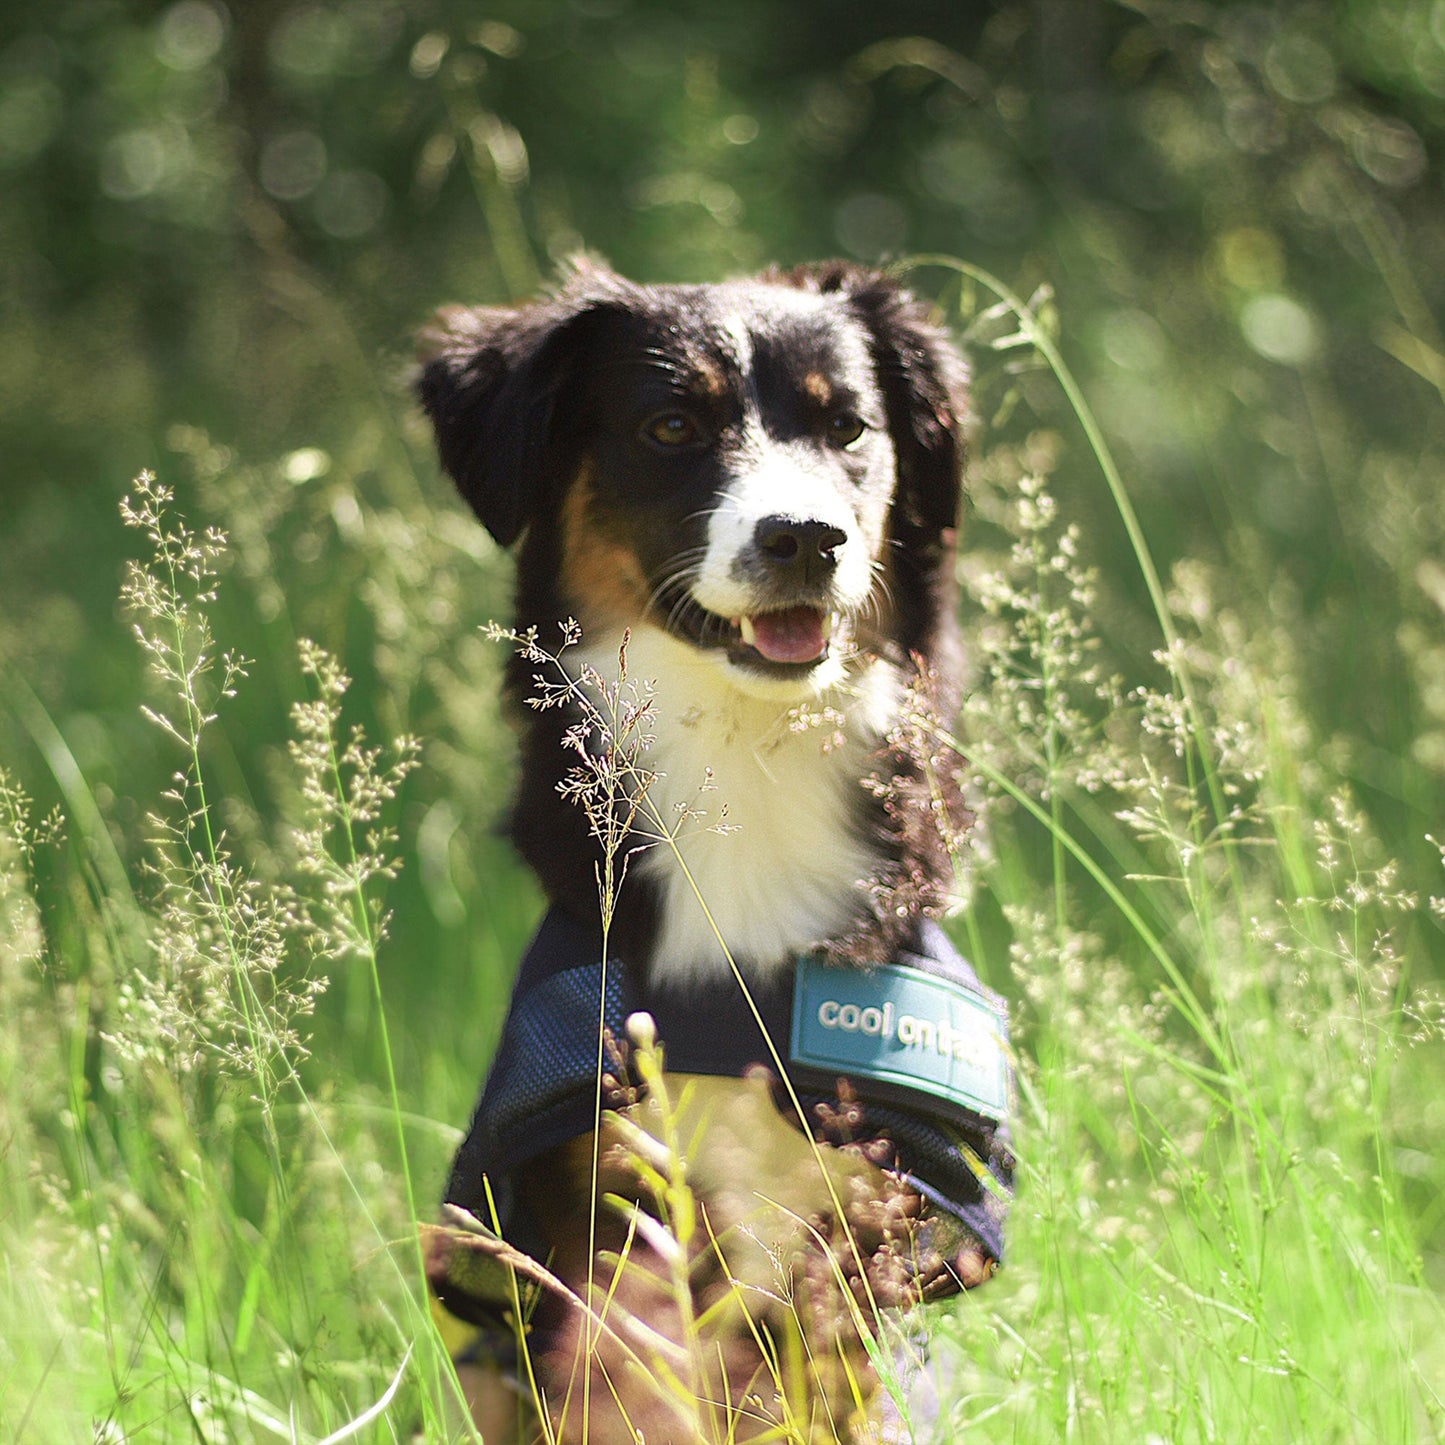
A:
{"points": [[542, 1088]]}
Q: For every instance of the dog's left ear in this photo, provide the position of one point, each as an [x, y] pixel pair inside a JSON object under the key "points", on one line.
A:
{"points": [[925, 388]]}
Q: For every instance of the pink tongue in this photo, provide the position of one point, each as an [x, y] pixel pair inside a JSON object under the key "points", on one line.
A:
{"points": [[793, 635]]}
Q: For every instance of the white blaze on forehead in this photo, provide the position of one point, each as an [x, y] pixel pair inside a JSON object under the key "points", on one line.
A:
{"points": [[741, 338], [776, 486], [773, 483]]}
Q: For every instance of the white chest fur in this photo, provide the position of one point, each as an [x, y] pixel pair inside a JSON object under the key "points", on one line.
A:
{"points": [[762, 796]]}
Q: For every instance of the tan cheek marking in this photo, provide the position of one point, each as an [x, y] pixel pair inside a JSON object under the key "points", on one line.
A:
{"points": [[600, 575], [818, 387]]}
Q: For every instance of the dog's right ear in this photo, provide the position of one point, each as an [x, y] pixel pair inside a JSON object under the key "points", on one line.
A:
{"points": [[489, 381]]}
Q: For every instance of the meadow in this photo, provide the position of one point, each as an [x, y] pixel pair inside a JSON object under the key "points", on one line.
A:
{"points": [[257, 921]]}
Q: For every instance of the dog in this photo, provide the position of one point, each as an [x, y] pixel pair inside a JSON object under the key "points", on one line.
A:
{"points": [[734, 510]]}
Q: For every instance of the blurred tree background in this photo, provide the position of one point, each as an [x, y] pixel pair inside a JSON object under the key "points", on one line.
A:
{"points": [[223, 224], [220, 226]]}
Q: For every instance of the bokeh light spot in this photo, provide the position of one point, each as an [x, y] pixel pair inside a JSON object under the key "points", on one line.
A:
{"points": [[293, 164], [350, 203], [1280, 329], [191, 34]]}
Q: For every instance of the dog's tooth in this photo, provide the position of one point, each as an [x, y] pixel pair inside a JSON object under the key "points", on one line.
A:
{"points": [[829, 621], [745, 626]]}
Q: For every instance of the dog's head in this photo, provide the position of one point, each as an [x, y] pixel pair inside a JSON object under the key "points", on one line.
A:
{"points": [[766, 469]]}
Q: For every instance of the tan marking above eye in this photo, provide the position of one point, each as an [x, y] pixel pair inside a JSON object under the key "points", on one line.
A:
{"points": [[709, 380], [818, 387]]}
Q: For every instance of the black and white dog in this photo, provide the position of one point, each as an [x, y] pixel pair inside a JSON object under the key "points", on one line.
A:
{"points": [[754, 487]]}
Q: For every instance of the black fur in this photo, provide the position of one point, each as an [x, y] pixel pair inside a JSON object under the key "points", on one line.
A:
{"points": [[523, 399]]}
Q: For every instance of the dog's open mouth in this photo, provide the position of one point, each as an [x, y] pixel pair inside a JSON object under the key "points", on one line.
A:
{"points": [[794, 636], [788, 639]]}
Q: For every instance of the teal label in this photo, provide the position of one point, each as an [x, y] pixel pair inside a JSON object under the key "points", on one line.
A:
{"points": [[902, 1028]]}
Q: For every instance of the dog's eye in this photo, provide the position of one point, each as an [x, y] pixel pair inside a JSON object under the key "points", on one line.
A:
{"points": [[845, 428], [672, 429]]}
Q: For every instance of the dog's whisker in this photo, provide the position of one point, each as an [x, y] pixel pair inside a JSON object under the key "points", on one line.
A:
{"points": [[680, 581], [879, 599]]}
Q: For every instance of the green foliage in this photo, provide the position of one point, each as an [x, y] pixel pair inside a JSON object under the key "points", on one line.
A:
{"points": [[1207, 724]]}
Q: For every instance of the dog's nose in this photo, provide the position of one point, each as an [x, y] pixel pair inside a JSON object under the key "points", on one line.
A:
{"points": [[801, 549]]}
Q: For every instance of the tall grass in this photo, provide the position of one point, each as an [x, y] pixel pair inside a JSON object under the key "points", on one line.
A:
{"points": [[1229, 1213], [1229, 1127], [192, 1227]]}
